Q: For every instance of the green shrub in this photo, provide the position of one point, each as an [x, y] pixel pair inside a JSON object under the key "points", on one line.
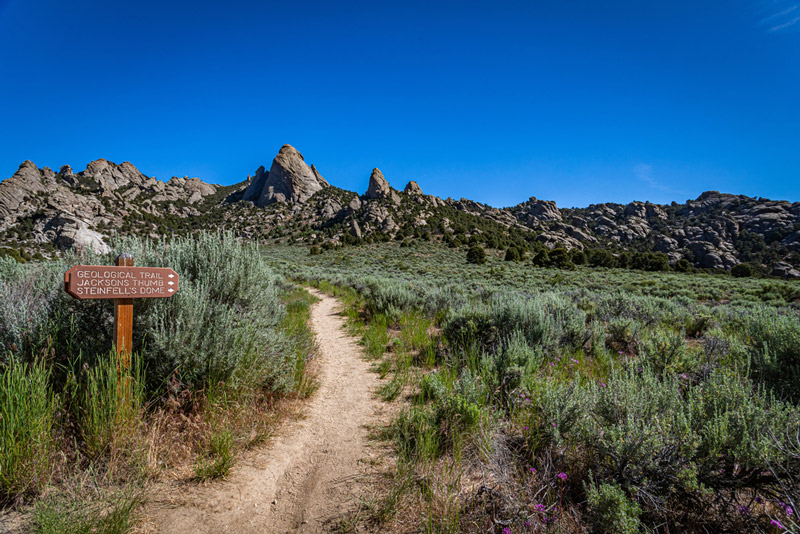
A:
{"points": [[542, 258], [561, 258], [27, 412], [742, 270], [772, 344], [476, 255], [512, 254], [548, 320], [666, 351], [613, 511], [226, 313]]}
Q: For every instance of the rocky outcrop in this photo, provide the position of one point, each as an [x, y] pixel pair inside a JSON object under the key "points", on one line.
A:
{"points": [[66, 209], [76, 234], [293, 200], [289, 179], [785, 270], [255, 185], [535, 210], [412, 188], [379, 188]]}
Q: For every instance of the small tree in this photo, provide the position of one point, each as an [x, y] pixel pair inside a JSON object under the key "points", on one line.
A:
{"points": [[683, 265], [542, 258], [512, 254], [476, 255], [742, 270], [561, 258]]}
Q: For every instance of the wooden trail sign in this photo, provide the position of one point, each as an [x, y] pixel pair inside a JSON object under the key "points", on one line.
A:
{"points": [[123, 283]]}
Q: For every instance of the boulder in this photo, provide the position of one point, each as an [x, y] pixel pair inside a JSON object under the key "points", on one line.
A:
{"points": [[355, 229], [355, 204], [785, 270], [76, 234]]}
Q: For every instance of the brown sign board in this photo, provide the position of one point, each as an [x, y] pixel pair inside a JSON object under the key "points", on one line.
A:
{"points": [[110, 282]]}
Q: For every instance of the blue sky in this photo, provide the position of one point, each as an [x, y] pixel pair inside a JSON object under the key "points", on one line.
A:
{"points": [[574, 101]]}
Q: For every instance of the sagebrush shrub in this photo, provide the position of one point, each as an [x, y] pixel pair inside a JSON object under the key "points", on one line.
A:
{"points": [[613, 511]]}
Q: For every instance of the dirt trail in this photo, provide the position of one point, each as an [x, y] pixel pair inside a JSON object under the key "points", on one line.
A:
{"points": [[310, 474]]}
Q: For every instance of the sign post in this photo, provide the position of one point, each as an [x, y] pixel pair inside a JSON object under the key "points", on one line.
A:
{"points": [[123, 320], [122, 282]]}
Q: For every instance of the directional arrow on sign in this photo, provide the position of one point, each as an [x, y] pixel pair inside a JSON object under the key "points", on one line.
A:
{"points": [[171, 283], [170, 290], [171, 276]]}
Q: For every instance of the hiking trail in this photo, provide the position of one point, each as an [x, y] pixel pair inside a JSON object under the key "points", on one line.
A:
{"points": [[312, 472]]}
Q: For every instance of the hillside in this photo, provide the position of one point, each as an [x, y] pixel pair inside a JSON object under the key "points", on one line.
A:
{"points": [[42, 211]]}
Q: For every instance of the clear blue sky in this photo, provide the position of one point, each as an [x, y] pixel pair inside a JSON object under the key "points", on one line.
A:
{"points": [[575, 101]]}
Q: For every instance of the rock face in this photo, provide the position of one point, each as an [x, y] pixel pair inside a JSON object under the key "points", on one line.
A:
{"points": [[68, 209], [255, 185], [289, 179], [537, 210], [413, 188], [786, 270], [380, 188]]}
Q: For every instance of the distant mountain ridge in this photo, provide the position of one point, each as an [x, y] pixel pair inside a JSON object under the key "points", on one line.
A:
{"points": [[43, 210]]}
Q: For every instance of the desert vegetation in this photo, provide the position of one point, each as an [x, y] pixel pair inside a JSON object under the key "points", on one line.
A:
{"points": [[213, 367], [543, 399]]}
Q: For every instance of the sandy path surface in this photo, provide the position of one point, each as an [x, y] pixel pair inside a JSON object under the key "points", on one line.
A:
{"points": [[311, 473]]}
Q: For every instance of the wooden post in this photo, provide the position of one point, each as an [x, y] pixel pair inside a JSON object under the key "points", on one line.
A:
{"points": [[123, 321]]}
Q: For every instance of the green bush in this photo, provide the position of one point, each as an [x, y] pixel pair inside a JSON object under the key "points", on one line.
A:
{"points": [[613, 511], [772, 344], [742, 270], [476, 255], [225, 314], [549, 320], [512, 254], [561, 258]]}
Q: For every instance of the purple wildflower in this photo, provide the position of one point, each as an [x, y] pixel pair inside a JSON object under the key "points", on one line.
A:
{"points": [[526, 428], [539, 508], [789, 510], [562, 476], [744, 510], [507, 530], [527, 523], [555, 425], [574, 360], [603, 384], [533, 469], [776, 523], [619, 352]]}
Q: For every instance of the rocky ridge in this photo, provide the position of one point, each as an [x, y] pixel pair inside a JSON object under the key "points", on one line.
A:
{"points": [[292, 201]]}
